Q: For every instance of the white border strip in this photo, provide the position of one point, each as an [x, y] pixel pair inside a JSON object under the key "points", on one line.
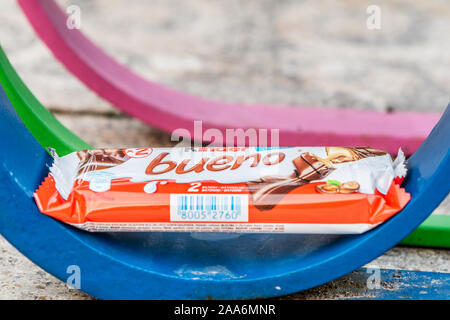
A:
{"points": [[315, 228]]}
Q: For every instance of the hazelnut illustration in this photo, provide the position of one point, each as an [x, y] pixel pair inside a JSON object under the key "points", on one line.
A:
{"points": [[327, 188], [349, 187]]}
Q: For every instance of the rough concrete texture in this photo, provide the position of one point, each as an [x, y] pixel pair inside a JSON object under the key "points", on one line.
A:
{"points": [[266, 51], [289, 52]]}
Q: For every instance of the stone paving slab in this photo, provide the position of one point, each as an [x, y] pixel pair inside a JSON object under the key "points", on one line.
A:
{"points": [[290, 52], [21, 279]]}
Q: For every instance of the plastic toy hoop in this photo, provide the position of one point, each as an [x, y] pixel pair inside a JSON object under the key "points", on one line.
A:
{"points": [[175, 265]]}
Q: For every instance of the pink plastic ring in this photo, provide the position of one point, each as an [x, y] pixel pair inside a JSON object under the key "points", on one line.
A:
{"points": [[168, 109]]}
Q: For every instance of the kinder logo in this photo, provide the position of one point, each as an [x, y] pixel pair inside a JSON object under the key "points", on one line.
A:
{"points": [[138, 153]]}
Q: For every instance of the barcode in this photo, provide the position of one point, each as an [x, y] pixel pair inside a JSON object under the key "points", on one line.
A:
{"points": [[209, 207]]}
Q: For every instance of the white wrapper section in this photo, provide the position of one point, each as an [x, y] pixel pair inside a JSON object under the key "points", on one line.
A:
{"points": [[374, 172]]}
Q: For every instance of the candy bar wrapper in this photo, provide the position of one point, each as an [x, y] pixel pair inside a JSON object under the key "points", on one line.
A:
{"points": [[333, 190]]}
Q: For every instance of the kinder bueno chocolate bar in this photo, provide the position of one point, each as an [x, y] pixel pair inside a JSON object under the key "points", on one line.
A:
{"points": [[268, 190]]}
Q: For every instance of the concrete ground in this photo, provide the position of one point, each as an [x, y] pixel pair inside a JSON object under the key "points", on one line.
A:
{"points": [[293, 52]]}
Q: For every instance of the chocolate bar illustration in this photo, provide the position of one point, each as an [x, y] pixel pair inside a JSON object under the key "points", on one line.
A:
{"points": [[342, 154], [310, 167], [267, 192], [365, 152], [98, 159]]}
